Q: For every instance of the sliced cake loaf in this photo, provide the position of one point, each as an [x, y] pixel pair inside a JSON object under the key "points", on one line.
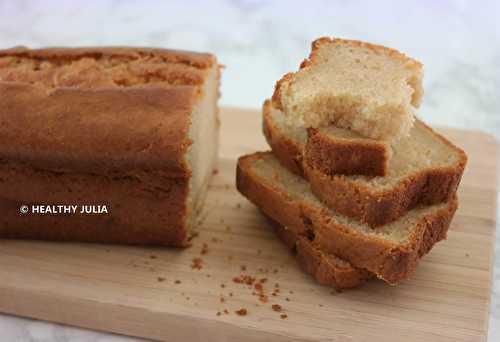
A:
{"points": [[326, 268], [369, 89], [134, 129], [390, 252], [425, 168]]}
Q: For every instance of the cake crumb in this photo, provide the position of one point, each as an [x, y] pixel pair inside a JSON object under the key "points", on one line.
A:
{"points": [[243, 267], [283, 316], [218, 313], [241, 312], [226, 312], [197, 264], [223, 285], [204, 249], [152, 256], [244, 279], [177, 281], [276, 307], [160, 279], [287, 299]]}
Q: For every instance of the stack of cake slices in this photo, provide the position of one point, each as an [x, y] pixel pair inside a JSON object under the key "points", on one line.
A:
{"points": [[355, 185]]}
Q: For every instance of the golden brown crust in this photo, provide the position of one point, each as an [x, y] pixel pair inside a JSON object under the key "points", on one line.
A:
{"points": [[346, 156], [288, 152], [388, 260], [276, 98], [393, 53], [195, 59], [100, 132], [377, 208], [352, 198], [143, 207], [326, 269]]}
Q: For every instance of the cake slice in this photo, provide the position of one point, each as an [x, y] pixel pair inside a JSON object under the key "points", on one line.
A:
{"points": [[369, 89], [134, 130], [330, 149], [425, 168], [390, 252], [325, 268]]}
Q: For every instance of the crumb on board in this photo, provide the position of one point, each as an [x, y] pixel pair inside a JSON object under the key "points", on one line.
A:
{"points": [[243, 267], [152, 256], [226, 312], [241, 312], [283, 316], [244, 279], [161, 279], [197, 264], [204, 249], [276, 307], [218, 313], [177, 281], [223, 285]]}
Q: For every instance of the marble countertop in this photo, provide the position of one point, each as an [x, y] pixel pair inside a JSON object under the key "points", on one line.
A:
{"points": [[258, 41]]}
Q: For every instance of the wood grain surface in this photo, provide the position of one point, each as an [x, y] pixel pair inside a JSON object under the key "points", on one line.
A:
{"points": [[156, 293]]}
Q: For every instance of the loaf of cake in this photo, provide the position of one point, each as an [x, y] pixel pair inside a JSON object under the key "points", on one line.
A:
{"points": [[133, 131]]}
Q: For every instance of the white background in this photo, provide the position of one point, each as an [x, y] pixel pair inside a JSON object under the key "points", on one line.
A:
{"points": [[258, 41]]}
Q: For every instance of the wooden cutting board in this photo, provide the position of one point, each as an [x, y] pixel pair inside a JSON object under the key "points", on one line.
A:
{"points": [[155, 292]]}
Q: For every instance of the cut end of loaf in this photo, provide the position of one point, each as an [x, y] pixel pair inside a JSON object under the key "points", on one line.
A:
{"points": [[202, 153], [369, 89]]}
